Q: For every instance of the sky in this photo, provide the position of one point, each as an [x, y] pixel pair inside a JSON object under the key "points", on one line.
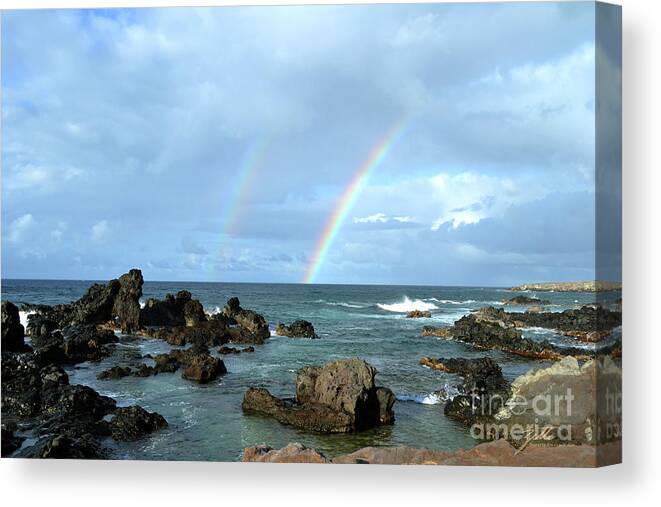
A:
{"points": [[217, 144]]}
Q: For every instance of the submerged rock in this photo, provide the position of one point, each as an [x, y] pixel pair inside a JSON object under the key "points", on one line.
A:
{"points": [[297, 329], [338, 397], [418, 314], [114, 373], [525, 300], [134, 422]]}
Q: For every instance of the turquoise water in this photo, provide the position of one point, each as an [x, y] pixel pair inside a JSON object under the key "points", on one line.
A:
{"points": [[206, 422]]}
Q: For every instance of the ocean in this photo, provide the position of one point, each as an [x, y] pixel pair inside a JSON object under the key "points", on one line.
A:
{"points": [[206, 421]]}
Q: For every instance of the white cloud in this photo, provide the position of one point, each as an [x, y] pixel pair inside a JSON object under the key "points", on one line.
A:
{"points": [[20, 227], [100, 230]]}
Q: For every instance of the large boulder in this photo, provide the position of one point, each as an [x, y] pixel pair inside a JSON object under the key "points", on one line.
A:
{"points": [[577, 403], [291, 453], [178, 310], [297, 329], [204, 369], [13, 333], [338, 397], [134, 422]]}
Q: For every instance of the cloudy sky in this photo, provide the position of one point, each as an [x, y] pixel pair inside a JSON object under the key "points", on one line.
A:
{"points": [[213, 144]]}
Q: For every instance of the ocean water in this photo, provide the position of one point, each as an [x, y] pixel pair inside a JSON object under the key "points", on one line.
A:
{"points": [[206, 422]]}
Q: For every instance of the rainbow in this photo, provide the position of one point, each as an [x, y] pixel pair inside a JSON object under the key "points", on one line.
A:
{"points": [[349, 196], [252, 162]]}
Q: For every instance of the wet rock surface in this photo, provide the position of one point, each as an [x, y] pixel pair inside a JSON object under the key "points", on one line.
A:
{"points": [[132, 423], [482, 392], [297, 329], [338, 397], [525, 301], [418, 314], [251, 327]]}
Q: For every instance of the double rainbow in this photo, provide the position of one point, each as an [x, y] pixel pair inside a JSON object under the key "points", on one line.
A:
{"points": [[349, 196], [252, 162]]}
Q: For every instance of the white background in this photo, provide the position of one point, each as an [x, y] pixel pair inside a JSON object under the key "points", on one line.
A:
{"points": [[24, 482]]}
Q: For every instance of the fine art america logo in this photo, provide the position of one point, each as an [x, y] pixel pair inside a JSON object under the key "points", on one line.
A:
{"points": [[544, 417]]}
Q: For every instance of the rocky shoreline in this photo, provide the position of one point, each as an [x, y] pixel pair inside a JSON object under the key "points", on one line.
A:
{"points": [[45, 416], [588, 286], [495, 453]]}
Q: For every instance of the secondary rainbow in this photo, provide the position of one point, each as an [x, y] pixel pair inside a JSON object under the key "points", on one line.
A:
{"points": [[252, 162], [377, 154]]}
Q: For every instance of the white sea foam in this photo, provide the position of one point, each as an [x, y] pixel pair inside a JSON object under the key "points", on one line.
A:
{"points": [[424, 399], [23, 316], [142, 303], [447, 392], [407, 305]]}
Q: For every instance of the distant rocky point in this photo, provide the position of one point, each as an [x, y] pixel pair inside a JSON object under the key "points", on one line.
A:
{"points": [[589, 286]]}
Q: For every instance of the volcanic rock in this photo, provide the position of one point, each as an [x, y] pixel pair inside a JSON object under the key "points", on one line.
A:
{"points": [[338, 397], [297, 329], [132, 423]]}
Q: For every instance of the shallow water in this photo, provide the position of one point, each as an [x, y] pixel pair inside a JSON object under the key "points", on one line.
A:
{"points": [[206, 422]]}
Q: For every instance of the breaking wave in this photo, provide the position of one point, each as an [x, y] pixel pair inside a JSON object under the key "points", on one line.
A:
{"points": [[407, 305], [23, 317]]}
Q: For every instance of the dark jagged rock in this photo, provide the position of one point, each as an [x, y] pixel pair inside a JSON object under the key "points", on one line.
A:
{"points": [[179, 310], [338, 397], [75, 344], [252, 327], [211, 333], [65, 447], [126, 308], [483, 391], [26, 381], [486, 334], [13, 333], [248, 349], [526, 300], [297, 329], [132, 423], [76, 401], [198, 365], [115, 302], [204, 369], [418, 314], [587, 318], [114, 373], [224, 350]]}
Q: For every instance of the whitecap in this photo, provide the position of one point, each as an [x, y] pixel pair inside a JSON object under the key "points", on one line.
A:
{"points": [[23, 317], [407, 305]]}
